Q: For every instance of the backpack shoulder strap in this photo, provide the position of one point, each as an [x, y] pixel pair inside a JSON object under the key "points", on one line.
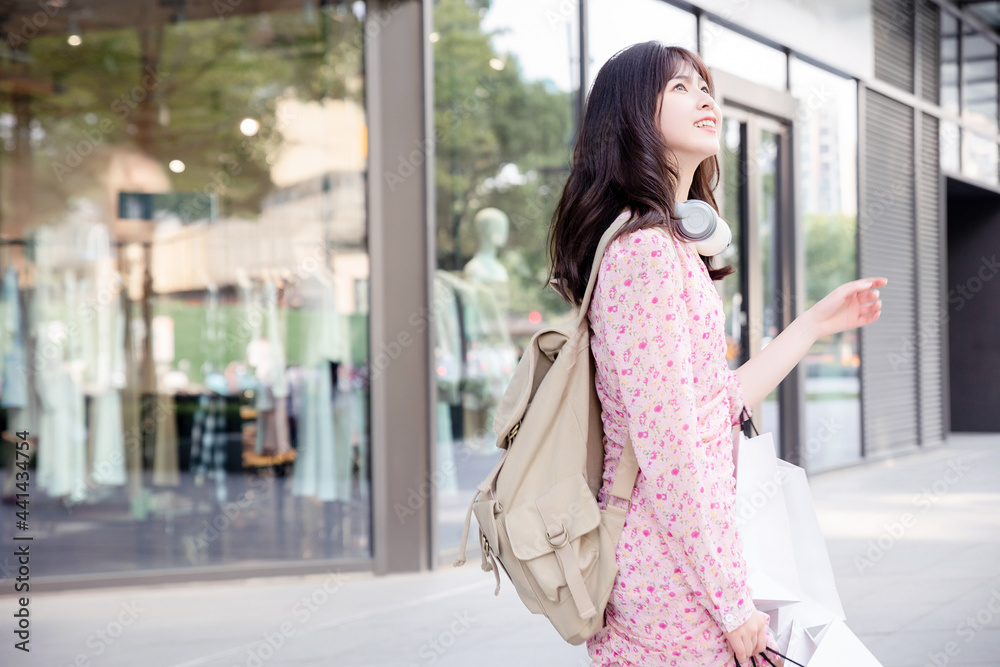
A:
{"points": [[628, 465], [625, 476], [622, 218]]}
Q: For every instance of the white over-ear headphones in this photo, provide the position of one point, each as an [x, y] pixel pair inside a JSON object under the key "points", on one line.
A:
{"points": [[700, 224]]}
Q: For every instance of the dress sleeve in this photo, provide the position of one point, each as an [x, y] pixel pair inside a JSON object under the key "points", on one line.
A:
{"points": [[734, 390], [644, 317]]}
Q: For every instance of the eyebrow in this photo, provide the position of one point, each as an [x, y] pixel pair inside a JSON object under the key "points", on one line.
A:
{"points": [[689, 77]]}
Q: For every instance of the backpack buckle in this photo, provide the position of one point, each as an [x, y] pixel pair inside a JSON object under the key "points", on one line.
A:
{"points": [[562, 532], [513, 432]]}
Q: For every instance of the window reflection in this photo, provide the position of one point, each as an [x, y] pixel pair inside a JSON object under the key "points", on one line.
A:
{"points": [[949, 62], [191, 198], [979, 157], [735, 53], [949, 141], [827, 130], [979, 78], [505, 85]]}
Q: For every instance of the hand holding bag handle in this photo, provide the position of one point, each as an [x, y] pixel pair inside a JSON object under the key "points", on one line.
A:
{"points": [[768, 660]]}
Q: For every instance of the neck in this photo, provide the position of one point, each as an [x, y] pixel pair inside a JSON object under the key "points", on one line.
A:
{"points": [[684, 178]]}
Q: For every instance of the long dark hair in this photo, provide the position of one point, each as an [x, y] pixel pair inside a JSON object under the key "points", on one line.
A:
{"points": [[622, 160]]}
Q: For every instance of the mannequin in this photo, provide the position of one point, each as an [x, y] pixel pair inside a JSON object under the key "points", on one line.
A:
{"points": [[492, 227], [491, 357]]}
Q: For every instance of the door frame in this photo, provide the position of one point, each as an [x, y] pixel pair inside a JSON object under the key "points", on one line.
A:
{"points": [[763, 108]]}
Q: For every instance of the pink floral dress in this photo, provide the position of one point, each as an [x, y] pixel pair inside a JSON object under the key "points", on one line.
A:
{"points": [[658, 338]]}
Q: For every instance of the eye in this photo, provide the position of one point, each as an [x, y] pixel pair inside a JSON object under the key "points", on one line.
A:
{"points": [[705, 88], [678, 84]]}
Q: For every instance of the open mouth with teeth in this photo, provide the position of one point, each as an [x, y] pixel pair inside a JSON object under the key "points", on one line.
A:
{"points": [[706, 125]]}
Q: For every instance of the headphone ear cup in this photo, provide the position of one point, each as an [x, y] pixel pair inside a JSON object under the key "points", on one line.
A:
{"points": [[697, 220], [718, 242]]}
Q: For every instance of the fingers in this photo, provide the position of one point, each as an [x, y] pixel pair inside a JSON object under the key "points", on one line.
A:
{"points": [[872, 282]]}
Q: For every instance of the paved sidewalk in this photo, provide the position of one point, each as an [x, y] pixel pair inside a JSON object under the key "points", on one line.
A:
{"points": [[915, 545]]}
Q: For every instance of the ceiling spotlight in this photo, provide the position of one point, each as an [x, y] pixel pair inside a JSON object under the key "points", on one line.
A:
{"points": [[73, 30], [176, 166], [249, 127]]}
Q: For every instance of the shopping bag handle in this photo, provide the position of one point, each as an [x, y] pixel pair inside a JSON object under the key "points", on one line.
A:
{"points": [[746, 423], [764, 655]]}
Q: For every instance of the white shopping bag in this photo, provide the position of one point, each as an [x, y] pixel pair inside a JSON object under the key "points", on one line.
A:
{"points": [[829, 645], [762, 521], [788, 565]]}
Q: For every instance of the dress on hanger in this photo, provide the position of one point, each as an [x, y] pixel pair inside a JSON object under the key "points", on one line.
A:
{"points": [[106, 367], [272, 408], [62, 426], [323, 467], [208, 435], [14, 387]]}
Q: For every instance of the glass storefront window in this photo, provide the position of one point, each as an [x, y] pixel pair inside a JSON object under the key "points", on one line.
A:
{"points": [[738, 54], [949, 141], [828, 135], [949, 62], [191, 288], [504, 122], [979, 157], [614, 24], [979, 78]]}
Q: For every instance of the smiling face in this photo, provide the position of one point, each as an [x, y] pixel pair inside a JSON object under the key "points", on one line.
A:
{"points": [[684, 102]]}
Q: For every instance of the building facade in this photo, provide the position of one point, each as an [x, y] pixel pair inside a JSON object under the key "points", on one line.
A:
{"points": [[269, 266]]}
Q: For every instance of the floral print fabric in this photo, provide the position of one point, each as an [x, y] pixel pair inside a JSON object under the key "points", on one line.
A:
{"points": [[658, 338]]}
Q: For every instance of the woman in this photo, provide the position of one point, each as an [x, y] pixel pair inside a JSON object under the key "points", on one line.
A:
{"points": [[658, 337]]}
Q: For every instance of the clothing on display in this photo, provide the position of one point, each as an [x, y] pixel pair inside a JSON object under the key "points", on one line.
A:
{"points": [[208, 443], [131, 402], [267, 356], [166, 467], [105, 346], [62, 459], [13, 375], [323, 468]]}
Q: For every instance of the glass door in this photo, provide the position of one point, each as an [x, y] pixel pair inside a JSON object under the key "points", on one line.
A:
{"points": [[754, 200]]}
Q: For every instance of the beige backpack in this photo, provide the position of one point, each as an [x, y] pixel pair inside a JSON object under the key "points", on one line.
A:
{"points": [[537, 510]]}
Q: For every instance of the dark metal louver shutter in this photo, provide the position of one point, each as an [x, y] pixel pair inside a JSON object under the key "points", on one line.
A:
{"points": [[893, 35], [929, 50], [931, 303], [886, 248]]}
